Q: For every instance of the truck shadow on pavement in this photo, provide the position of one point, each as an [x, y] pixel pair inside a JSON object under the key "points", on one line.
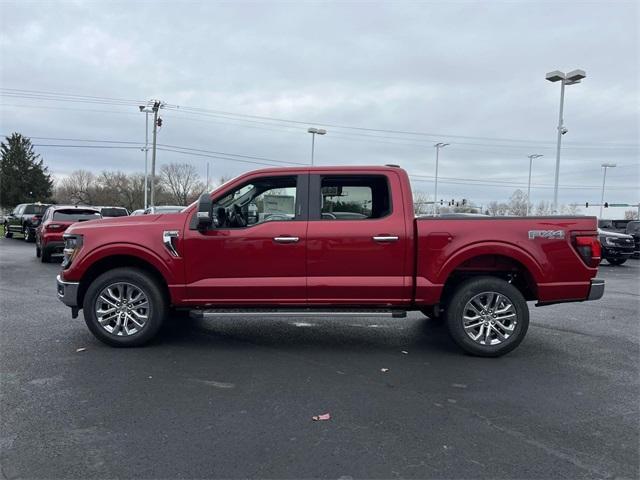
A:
{"points": [[322, 334]]}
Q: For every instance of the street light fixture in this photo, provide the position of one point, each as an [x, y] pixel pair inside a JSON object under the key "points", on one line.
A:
{"points": [[438, 146], [571, 78], [531, 158], [604, 178], [315, 131], [146, 110]]}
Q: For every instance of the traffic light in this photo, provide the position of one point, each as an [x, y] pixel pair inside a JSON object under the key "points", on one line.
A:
{"points": [[464, 201], [586, 205], [441, 202], [159, 123], [606, 204]]}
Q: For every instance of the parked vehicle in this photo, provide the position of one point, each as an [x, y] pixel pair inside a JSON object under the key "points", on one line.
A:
{"points": [[24, 219], [111, 212], [140, 211], [617, 248], [477, 272], [56, 220], [164, 209], [613, 225], [633, 229]]}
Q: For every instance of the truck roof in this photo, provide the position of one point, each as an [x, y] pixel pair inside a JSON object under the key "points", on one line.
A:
{"points": [[324, 168]]}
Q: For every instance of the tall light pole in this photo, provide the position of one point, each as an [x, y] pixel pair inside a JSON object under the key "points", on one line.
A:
{"points": [[570, 78], [531, 157], [604, 178], [315, 131], [146, 110], [157, 105], [438, 146]]}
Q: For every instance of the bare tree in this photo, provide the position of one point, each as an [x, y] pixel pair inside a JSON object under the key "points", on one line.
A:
{"points": [[497, 208], [77, 188], [544, 208], [518, 203], [181, 182], [631, 215], [420, 203]]}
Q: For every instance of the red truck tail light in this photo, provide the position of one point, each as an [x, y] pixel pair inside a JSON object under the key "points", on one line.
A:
{"points": [[588, 247]]}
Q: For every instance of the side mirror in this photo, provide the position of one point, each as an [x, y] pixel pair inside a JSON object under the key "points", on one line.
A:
{"points": [[205, 212]]}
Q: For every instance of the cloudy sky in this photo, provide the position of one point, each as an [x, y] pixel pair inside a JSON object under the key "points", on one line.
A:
{"points": [[243, 81]]}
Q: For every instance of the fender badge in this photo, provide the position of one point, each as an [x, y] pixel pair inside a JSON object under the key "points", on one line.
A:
{"points": [[550, 234]]}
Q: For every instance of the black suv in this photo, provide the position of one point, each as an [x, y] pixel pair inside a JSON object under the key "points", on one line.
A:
{"points": [[633, 229], [24, 219], [616, 247]]}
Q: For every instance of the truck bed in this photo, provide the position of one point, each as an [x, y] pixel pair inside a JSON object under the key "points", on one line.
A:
{"points": [[538, 251]]}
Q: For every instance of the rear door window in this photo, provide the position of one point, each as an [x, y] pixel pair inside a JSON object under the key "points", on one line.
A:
{"points": [[75, 215], [354, 197]]}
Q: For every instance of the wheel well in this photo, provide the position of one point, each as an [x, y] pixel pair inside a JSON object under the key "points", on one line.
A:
{"points": [[116, 261], [495, 266]]}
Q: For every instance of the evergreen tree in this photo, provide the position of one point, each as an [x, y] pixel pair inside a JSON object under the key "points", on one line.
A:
{"points": [[23, 176]]}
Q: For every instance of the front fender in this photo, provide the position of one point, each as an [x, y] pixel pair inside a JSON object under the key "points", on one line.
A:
{"points": [[77, 270]]}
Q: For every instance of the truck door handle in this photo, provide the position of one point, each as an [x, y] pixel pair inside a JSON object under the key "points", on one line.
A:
{"points": [[286, 239], [385, 238]]}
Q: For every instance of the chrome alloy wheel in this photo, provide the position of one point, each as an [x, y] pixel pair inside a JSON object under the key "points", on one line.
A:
{"points": [[122, 309], [489, 318]]}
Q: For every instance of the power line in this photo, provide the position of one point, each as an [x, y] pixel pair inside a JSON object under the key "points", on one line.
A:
{"points": [[57, 96]]}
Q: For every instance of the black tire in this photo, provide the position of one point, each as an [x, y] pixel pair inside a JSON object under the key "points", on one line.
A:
{"points": [[7, 233], [28, 235], [38, 251], [467, 291], [616, 261], [139, 279], [45, 255]]}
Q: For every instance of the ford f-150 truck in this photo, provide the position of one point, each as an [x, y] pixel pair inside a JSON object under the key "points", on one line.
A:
{"points": [[326, 241]]}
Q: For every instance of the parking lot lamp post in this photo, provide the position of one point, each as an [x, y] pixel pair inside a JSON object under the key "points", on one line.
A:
{"points": [[604, 178], [315, 131], [438, 146], [531, 157], [146, 110], [570, 78]]}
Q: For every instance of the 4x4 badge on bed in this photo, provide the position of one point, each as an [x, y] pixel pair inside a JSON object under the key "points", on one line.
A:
{"points": [[557, 234]]}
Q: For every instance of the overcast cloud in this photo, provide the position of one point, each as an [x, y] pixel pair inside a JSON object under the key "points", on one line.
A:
{"points": [[450, 70]]}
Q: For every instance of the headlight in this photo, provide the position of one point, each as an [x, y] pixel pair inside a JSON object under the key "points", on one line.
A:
{"points": [[72, 245], [610, 240]]}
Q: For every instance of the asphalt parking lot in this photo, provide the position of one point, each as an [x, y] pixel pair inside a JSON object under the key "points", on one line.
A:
{"points": [[234, 398]]}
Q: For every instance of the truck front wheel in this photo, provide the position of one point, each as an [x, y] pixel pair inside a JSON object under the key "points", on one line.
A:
{"points": [[487, 316], [124, 307]]}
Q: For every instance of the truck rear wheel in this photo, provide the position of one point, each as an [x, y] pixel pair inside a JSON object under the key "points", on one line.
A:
{"points": [[487, 316], [124, 307], [616, 261]]}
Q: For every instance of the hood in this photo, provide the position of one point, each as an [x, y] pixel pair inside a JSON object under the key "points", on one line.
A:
{"points": [[126, 222], [607, 233]]}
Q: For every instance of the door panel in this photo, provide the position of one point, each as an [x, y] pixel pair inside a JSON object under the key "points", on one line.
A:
{"points": [[263, 263], [359, 261]]}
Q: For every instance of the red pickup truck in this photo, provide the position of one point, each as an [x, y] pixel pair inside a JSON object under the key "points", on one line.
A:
{"points": [[326, 241]]}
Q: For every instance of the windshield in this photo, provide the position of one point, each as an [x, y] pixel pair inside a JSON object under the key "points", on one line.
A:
{"points": [[633, 227], [75, 215], [114, 212], [35, 209]]}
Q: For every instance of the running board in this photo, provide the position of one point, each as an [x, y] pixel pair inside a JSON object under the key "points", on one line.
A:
{"points": [[290, 312]]}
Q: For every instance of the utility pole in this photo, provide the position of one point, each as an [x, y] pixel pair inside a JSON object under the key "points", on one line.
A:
{"points": [[604, 178], [146, 110], [157, 105], [207, 176], [531, 157], [438, 146]]}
